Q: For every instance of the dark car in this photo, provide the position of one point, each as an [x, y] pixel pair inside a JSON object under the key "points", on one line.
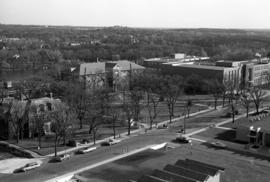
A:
{"points": [[84, 141], [72, 143], [182, 139]]}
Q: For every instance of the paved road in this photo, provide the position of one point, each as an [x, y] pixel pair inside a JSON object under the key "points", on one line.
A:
{"points": [[51, 170]]}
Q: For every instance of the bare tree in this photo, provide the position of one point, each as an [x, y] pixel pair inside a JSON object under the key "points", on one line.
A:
{"points": [[62, 119], [216, 89], [77, 99], [171, 90], [129, 114], [188, 106], [246, 100], [38, 119], [257, 95], [233, 97], [17, 112]]}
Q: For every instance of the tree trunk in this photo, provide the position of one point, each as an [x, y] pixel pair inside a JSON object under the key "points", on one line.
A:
{"points": [[114, 129], [215, 103], [257, 108], [55, 145], [81, 124], [39, 140], [172, 109], [247, 108], [129, 126], [94, 136], [17, 136], [233, 113]]}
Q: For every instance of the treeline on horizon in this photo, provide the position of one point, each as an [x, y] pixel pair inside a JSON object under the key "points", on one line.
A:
{"points": [[45, 45]]}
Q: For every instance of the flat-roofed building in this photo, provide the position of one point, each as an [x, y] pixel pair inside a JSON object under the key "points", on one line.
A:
{"points": [[205, 72]]}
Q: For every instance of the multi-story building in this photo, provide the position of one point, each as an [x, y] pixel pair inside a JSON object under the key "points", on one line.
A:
{"points": [[256, 72], [115, 74], [252, 71]]}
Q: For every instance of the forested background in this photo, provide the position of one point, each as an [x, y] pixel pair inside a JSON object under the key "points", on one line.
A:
{"points": [[42, 46]]}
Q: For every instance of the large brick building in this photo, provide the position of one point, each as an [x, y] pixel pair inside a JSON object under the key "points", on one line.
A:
{"points": [[253, 72]]}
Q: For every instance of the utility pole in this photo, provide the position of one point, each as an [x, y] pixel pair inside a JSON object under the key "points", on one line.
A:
{"points": [[130, 76]]}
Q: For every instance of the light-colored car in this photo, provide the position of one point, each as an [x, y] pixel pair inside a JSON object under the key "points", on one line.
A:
{"points": [[61, 157], [86, 150], [162, 126], [113, 141], [110, 142], [218, 144], [30, 166]]}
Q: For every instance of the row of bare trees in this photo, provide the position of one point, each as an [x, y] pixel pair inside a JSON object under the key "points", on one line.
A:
{"points": [[247, 94]]}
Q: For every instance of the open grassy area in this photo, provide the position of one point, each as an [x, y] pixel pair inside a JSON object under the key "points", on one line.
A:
{"points": [[145, 162]]}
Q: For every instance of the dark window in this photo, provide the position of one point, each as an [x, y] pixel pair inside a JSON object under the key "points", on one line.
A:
{"points": [[49, 106]]}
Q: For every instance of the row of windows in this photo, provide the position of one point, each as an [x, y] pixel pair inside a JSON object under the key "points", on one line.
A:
{"points": [[261, 67]]}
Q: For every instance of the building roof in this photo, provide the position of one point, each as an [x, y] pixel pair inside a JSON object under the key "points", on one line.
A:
{"points": [[92, 68], [125, 65], [95, 68], [204, 67], [187, 170]]}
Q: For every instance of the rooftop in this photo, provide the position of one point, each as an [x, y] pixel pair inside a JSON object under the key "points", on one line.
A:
{"points": [[203, 67], [125, 65], [92, 68]]}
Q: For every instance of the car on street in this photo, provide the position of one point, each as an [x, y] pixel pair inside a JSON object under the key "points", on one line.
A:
{"points": [[162, 126], [86, 150], [30, 166], [218, 144], [109, 142], [61, 158], [182, 139], [84, 141]]}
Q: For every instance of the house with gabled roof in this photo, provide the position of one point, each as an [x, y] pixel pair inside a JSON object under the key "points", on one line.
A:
{"points": [[115, 74]]}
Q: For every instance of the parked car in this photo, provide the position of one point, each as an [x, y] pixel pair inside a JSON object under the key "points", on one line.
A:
{"points": [[86, 150], [30, 166], [162, 126], [182, 139], [218, 144], [110, 142], [61, 158], [84, 141], [73, 143]]}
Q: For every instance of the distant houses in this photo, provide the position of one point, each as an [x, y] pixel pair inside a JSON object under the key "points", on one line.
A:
{"points": [[114, 74]]}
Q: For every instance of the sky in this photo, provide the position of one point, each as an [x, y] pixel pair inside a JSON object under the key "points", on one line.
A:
{"points": [[254, 14]]}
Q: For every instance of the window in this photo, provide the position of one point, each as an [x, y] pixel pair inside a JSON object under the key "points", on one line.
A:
{"points": [[49, 106], [41, 108]]}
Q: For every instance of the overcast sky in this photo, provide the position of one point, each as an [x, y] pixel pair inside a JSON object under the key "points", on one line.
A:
{"points": [[139, 13]]}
